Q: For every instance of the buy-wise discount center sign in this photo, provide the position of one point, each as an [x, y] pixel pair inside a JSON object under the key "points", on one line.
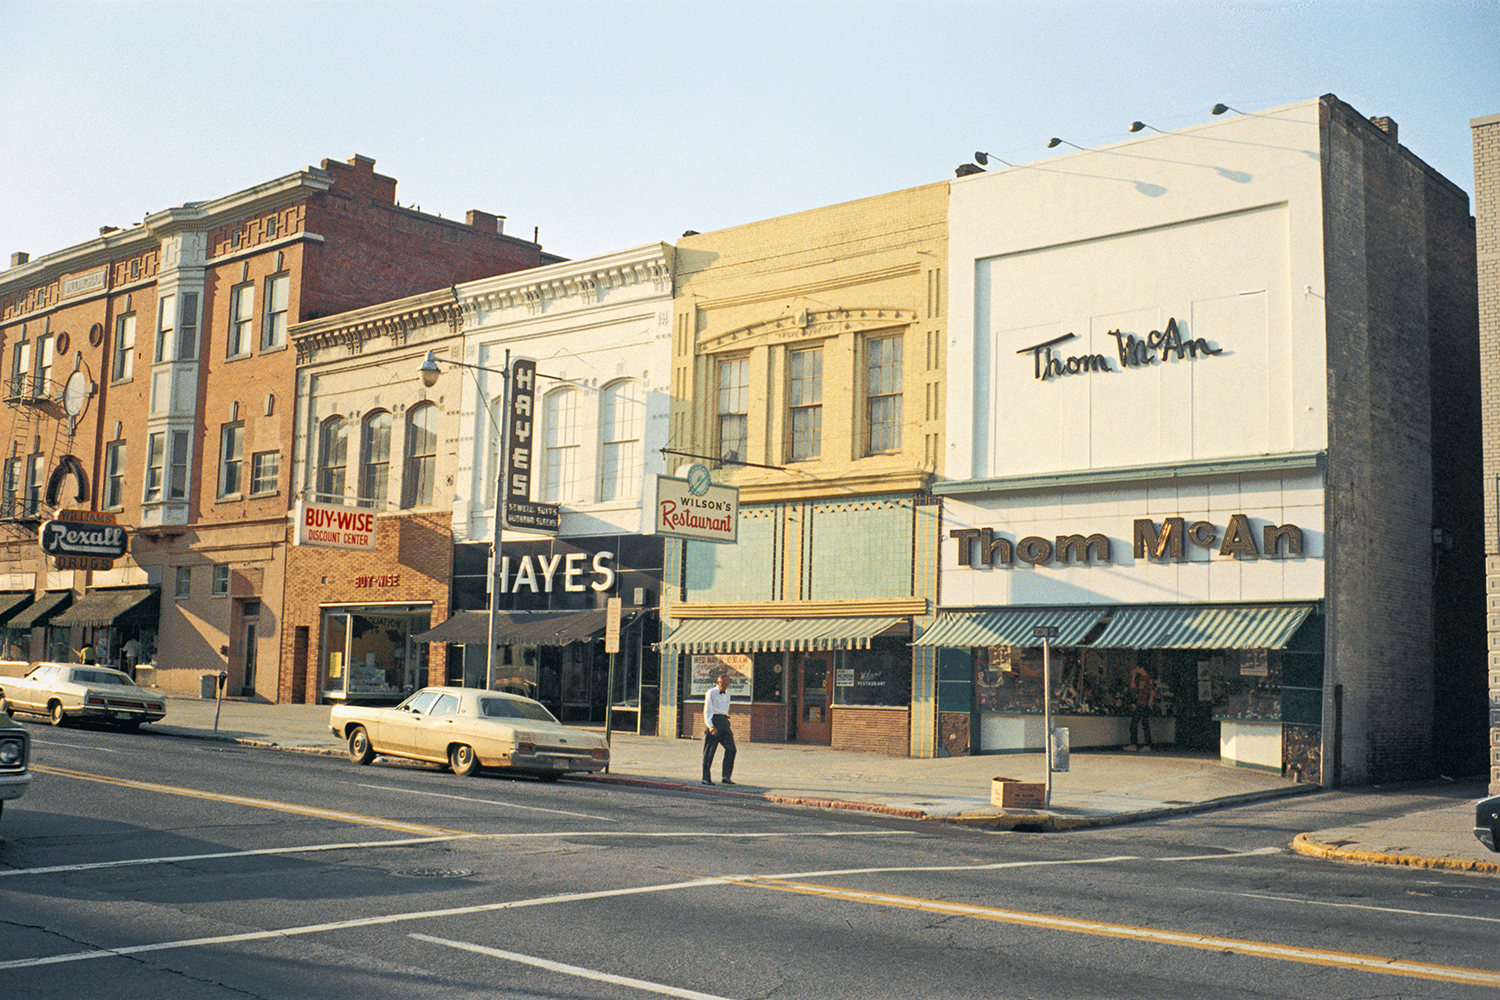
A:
{"points": [[331, 526], [695, 508]]}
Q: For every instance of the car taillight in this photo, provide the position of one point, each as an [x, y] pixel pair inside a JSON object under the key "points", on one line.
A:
{"points": [[95, 700], [526, 748], [601, 753]]}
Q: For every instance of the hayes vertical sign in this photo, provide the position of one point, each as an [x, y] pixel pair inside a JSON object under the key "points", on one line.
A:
{"points": [[520, 452]]}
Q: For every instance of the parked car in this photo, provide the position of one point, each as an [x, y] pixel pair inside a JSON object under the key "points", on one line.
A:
{"points": [[64, 691], [15, 753], [469, 729], [1487, 822]]}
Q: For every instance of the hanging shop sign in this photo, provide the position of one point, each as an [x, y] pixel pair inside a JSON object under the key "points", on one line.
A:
{"points": [[333, 526], [520, 451], [83, 539], [695, 508], [1164, 542], [1132, 352]]}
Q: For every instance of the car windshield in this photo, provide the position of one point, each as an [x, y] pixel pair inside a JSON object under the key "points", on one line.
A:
{"points": [[98, 677], [420, 702], [514, 708]]}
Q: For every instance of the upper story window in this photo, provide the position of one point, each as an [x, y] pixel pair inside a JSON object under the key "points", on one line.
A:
{"points": [[177, 327], [20, 367], [221, 580], [278, 297], [732, 408], [184, 586], [883, 395], [124, 359], [375, 458], [560, 446], [621, 419], [805, 402], [241, 320], [36, 475], [187, 327], [10, 488], [46, 354], [177, 473], [231, 459], [333, 457], [114, 474], [265, 470], [156, 451], [271, 227], [420, 474]]}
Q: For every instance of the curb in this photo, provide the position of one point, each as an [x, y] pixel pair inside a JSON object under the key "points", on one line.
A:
{"points": [[902, 812], [1037, 821], [1304, 844]]}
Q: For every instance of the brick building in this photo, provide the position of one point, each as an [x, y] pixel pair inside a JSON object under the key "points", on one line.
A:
{"points": [[1486, 133], [150, 378]]}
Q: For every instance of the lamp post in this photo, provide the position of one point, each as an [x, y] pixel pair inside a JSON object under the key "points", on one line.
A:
{"points": [[429, 371]]}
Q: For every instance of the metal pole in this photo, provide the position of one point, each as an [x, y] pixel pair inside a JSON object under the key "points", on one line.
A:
{"points": [[1047, 714], [497, 575]]}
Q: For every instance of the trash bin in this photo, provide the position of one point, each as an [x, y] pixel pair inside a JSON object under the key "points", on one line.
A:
{"points": [[208, 685]]}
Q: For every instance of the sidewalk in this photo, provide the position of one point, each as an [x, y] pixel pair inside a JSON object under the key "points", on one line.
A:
{"points": [[1100, 789]]}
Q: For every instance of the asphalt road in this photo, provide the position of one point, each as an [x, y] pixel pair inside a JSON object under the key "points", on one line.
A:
{"points": [[146, 866]]}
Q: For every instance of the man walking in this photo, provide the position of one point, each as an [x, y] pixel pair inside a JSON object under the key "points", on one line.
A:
{"points": [[716, 729]]}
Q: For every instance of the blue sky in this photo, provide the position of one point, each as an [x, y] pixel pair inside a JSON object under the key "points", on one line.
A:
{"points": [[609, 125]]}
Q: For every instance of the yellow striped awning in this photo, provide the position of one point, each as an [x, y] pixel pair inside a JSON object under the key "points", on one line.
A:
{"points": [[1009, 627], [742, 635], [1203, 627]]}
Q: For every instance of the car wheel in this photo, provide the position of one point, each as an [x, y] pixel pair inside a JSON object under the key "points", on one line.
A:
{"points": [[462, 759], [360, 749], [55, 713]]}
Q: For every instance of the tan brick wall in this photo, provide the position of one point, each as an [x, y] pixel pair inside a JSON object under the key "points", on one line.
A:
{"points": [[1486, 135], [872, 730]]}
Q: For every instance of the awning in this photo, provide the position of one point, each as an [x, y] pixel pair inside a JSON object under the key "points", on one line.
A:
{"points": [[102, 607], [1009, 627], [1204, 627], [40, 612], [11, 602], [734, 635], [519, 628]]}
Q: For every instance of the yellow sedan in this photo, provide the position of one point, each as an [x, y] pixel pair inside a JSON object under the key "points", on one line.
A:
{"points": [[470, 729]]}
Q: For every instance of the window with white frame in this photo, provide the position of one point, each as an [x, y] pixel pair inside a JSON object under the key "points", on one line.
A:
{"points": [[420, 474], [184, 581], [231, 459], [375, 458], [20, 367], [278, 297], [221, 580], [560, 446], [10, 488], [622, 414], [166, 320], [187, 327], [732, 407], [114, 474], [177, 481], [241, 319], [46, 354], [265, 471], [883, 395], [805, 403], [333, 457], [124, 360], [156, 452], [36, 475]]}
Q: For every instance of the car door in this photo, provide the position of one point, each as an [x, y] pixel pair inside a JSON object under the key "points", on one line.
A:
{"points": [[396, 730], [31, 693], [434, 729]]}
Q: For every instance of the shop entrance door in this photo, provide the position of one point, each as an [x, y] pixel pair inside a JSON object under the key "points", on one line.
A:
{"points": [[250, 651], [814, 673]]}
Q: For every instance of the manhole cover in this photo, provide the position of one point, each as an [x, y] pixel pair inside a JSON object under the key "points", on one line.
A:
{"points": [[432, 872]]}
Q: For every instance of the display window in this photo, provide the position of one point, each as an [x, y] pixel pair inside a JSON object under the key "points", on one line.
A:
{"points": [[368, 653]]}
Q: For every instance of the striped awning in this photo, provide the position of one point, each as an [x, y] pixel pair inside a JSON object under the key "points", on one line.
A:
{"points": [[103, 607], [1203, 627], [11, 602], [519, 628], [769, 635], [1009, 627], [40, 611]]}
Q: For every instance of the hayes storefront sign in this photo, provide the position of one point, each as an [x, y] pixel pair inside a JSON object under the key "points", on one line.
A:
{"points": [[695, 508], [1132, 351], [1167, 541], [330, 526], [81, 539]]}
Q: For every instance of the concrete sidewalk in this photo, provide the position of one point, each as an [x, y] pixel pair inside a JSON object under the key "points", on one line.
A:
{"points": [[1100, 789]]}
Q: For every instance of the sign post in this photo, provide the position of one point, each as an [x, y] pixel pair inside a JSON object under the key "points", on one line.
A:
{"points": [[612, 611], [1046, 633]]}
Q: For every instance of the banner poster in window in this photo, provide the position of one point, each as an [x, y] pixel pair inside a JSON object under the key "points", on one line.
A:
{"points": [[706, 668]]}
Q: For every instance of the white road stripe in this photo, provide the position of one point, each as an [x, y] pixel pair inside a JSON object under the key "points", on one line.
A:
{"points": [[71, 746], [571, 970], [1362, 906], [488, 802]]}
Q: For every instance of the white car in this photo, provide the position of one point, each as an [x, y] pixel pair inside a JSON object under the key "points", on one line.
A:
{"points": [[469, 729], [64, 691], [15, 748]]}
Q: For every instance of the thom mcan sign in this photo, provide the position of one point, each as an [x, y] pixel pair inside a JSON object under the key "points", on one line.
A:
{"points": [[331, 526], [1170, 540]]}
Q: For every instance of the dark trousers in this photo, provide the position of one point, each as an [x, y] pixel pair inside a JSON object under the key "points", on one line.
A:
{"points": [[1141, 717], [721, 736]]}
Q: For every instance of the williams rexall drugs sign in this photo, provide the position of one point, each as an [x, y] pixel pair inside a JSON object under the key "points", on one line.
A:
{"points": [[695, 508]]}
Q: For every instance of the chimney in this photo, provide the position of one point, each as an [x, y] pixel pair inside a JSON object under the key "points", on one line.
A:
{"points": [[485, 222], [18, 258], [1386, 125], [358, 178]]}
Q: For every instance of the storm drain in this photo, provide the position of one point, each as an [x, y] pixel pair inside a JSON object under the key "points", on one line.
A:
{"points": [[432, 872]]}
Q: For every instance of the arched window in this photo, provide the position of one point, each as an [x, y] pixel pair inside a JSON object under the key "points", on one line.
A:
{"points": [[622, 414], [421, 455], [333, 456], [561, 473], [375, 458]]}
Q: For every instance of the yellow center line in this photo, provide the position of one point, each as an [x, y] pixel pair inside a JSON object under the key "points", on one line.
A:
{"points": [[240, 800], [1262, 949]]}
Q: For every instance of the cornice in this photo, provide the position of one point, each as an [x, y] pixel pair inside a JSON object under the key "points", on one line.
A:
{"points": [[396, 320], [851, 487], [808, 324], [764, 294], [584, 280]]}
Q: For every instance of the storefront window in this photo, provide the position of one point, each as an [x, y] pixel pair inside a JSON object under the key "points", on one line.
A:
{"points": [[880, 675], [369, 653], [770, 677], [18, 644]]}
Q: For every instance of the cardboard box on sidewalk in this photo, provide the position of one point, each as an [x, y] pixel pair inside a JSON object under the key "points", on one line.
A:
{"points": [[1008, 793]]}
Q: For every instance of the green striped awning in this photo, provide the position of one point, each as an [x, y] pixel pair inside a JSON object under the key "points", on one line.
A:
{"points": [[1009, 627], [769, 635], [1203, 627]]}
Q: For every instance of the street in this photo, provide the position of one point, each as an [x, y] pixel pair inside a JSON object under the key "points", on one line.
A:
{"points": [[140, 865]]}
